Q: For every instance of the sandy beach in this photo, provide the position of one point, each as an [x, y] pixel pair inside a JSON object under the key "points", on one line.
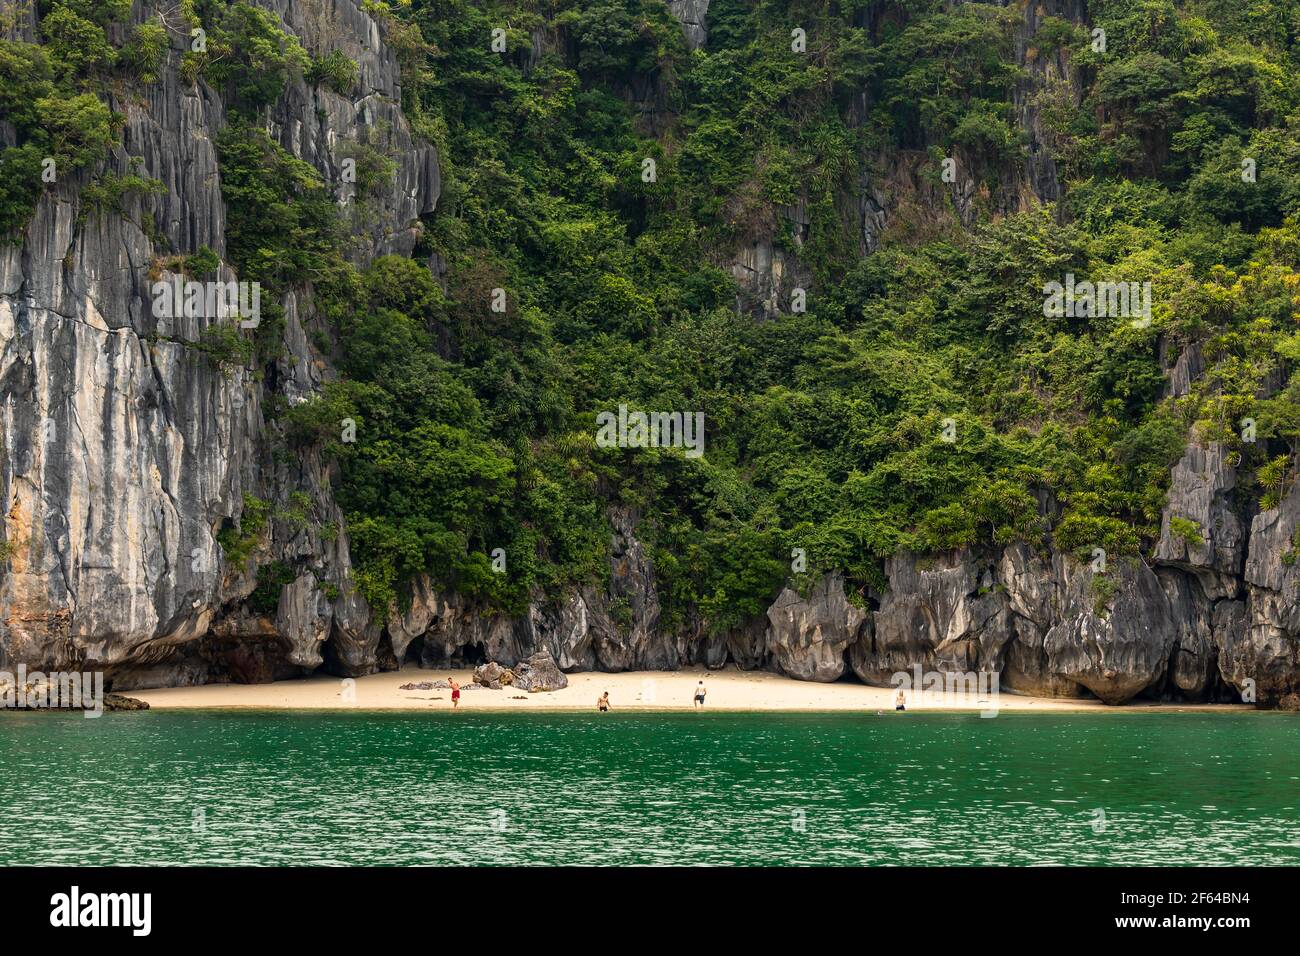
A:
{"points": [[728, 689]]}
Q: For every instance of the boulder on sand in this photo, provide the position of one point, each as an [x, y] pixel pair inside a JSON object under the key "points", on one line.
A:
{"points": [[493, 675], [122, 702], [539, 673]]}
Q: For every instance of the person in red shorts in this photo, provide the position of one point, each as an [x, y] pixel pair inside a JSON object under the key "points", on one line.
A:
{"points": [[455, 692]]}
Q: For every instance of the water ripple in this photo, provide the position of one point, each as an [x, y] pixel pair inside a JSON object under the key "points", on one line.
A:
{"points": [[806, 789]]}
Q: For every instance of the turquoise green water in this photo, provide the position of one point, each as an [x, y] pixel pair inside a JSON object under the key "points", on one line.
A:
{"points": [[286, 788]]}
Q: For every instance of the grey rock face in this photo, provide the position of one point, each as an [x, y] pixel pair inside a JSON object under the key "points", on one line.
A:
{"points": [[1268, 653], [808, 637], [1200, 493], [747, 645], [696, 644], [625, 622], [1233, 593], [944, 613], [1194, 663], [1237, 654], [456, 625], [1186, 368], [324, 128], [1070, 633], [355, 635], [303, 618], [693, 14], [590, 628], [1116, 647], [125, 450], [241, 648], [1049, 75], [563, 630], [1031, 584], [122, 454], [872, 213], [768, 277], [405, 626], [1272, 564], [1035, 618]]}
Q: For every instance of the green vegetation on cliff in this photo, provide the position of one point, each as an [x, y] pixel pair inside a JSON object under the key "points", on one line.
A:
{"points": [[608, 179], [825, 428]]}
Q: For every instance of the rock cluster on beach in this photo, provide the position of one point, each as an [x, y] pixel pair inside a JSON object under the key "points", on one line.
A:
{"points": [[126, 454], [538, 673], [122, 702], [52, 692], [493, 676]]}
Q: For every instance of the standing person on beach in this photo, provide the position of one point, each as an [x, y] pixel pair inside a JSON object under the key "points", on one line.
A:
{"points": [[602, 702], [455, 692], [700, 691], [900, 702]]}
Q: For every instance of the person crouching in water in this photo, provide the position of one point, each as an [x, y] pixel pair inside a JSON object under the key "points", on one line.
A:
{"points": [[602, 703]]}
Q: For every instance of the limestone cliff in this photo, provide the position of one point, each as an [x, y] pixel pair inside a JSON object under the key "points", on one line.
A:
{"points": [[126, 452]]}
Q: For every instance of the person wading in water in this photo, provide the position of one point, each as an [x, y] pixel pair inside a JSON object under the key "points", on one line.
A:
{"points": [[602, 702]]}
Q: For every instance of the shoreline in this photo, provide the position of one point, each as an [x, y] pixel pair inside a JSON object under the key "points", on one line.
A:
{"points": [[729, 690]]}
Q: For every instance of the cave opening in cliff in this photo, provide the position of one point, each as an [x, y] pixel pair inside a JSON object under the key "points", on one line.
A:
{"points": [[469, 655], [431, 654], [414, 652]]}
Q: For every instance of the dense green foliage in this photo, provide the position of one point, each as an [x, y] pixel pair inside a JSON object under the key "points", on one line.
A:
{"points": [[51, 96], [923, 401], [249, 55], [825, 429], [474, 428]]}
